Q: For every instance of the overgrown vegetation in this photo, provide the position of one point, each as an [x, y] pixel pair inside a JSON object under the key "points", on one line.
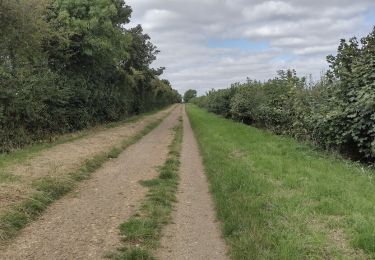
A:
{"points": [[69, 64], [281, 199], [338, 112], [49, 189], [142, 232]]}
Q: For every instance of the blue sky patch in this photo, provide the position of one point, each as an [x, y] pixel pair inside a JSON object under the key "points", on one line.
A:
{"points": [[370, 16]]}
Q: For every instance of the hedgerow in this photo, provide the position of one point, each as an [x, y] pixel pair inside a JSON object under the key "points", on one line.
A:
{"points": [[337, 112], [69, 64]]}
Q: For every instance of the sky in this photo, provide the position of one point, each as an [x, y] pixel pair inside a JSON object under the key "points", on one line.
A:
{"points": [[206, 44]]}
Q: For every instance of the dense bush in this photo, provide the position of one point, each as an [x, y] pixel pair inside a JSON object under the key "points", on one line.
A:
{"points": [[338, 112], [189, 95], [219, 101], [69, 64]]}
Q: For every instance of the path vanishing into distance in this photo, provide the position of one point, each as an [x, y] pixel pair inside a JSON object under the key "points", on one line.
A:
{"points": [[195, 232], [84, 224]]}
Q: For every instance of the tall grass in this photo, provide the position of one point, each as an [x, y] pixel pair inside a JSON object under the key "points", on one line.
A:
{"points": [[281, 199]]}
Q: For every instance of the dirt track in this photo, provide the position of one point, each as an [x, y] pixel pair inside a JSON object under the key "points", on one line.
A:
{"points": [[67, 157], [84, 225], [195, 234]]}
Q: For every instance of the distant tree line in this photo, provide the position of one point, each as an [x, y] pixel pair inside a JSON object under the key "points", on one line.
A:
{"points": [[69, 64], [337, 112]]}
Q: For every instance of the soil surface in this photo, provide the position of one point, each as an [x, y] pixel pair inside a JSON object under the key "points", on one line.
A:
{"points": [[67, 157], [195, 233], [84, 224]]}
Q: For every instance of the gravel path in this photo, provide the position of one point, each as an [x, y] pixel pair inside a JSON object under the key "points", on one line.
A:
{"points": [[84, 224], [67, 157], [195, 234]]}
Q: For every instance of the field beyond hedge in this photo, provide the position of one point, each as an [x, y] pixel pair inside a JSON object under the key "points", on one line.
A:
{"points": [[281, 199]]}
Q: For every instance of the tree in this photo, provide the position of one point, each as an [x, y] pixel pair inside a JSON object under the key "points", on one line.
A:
{"points": [[189, 94], [94, 37], [142, 51]]}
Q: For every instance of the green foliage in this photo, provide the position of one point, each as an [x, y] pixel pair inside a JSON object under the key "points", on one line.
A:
{"points": [[338, 112], [94, 38], [219, 101], [69, 64], [352, 98], [189, 95]]}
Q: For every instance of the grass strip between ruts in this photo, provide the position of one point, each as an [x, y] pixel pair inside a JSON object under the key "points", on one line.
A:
{"points": [[141, 233]]}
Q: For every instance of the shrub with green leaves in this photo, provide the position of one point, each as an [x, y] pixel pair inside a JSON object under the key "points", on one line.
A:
{"points": [[337, 112]]}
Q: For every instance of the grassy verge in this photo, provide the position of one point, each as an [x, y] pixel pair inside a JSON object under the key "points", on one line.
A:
{"points": [[142, 232], [28, 152], [280, 199], [49, 189]]}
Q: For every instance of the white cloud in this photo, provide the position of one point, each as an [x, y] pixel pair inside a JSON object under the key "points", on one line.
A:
{"points": [[299, 34]]}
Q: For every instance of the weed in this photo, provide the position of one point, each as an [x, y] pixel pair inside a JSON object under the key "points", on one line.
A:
{"points": [[7, 177]]}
